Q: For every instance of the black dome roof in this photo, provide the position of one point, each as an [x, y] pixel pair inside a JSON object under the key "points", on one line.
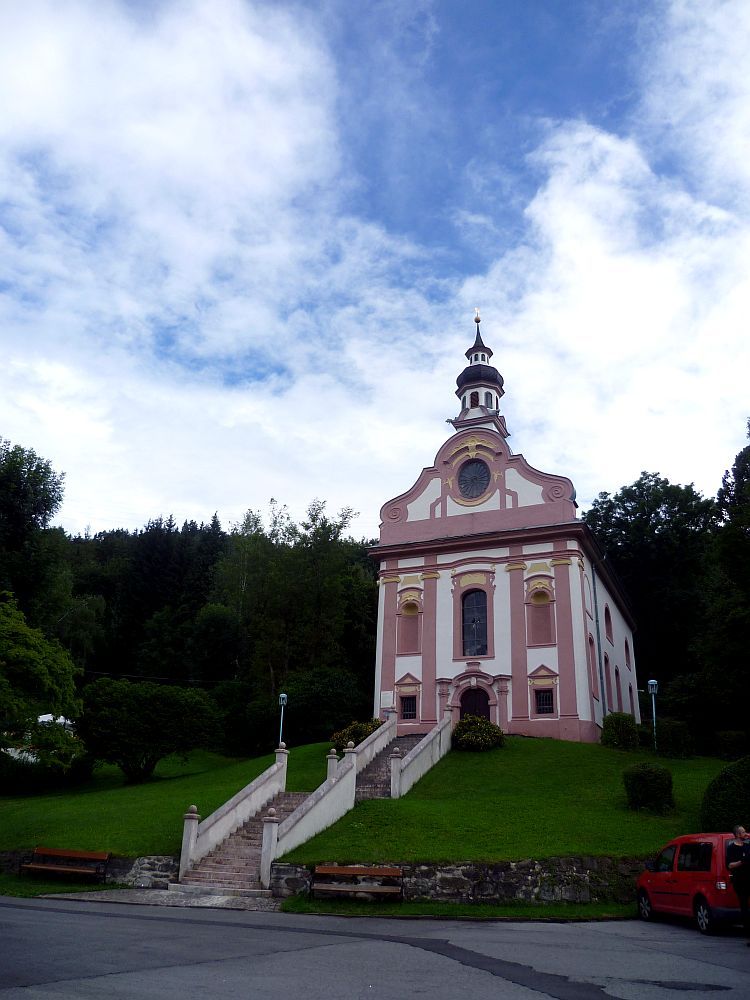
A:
{"points": [[484, 374]]}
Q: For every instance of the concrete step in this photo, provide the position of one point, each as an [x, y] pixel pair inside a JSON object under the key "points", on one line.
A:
{"points": [[207, 890]]}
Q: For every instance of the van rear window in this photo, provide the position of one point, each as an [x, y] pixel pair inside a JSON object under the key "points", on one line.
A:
{"points": [[694, 857]]}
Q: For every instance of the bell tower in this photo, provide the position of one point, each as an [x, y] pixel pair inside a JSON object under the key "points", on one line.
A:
{"points": [[479, 388]]}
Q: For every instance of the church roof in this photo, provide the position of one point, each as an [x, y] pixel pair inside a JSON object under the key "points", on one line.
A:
{"points": [[476, 374], [479, 345]]}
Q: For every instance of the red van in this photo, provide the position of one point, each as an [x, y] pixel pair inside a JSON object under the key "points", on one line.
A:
{"points": [[690, 878]]}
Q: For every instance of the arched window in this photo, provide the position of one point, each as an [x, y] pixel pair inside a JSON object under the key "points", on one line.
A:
{"points": [[474, 399], [408, 628], [618, 689], [627, 655], [608, 683], [608, 623], [474, 623], [463, 402], [488, 400], [592, 668], [497, 403], [632, 703], [540, 620]]}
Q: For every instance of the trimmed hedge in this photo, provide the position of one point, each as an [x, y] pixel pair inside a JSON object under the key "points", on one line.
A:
{"points": [[649, 787], [476, 734], [726, 801], [619, 731], [355, 733]]}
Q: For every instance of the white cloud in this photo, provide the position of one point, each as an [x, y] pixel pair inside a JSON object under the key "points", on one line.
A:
{"points": [[178, 225]]}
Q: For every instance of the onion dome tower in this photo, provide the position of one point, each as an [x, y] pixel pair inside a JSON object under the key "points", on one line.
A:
{"points": [[480, 387]]}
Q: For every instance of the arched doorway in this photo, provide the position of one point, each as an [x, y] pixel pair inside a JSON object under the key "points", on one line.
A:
{"points": [[475, 701]]}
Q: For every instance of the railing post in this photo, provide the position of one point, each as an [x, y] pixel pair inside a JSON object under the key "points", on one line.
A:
{"points": [[333, 762], [282, 757], [395, 762], [268, 849], [350, 753], [191, 819]]}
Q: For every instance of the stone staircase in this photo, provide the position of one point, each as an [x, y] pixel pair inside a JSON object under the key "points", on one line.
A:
{"points": [[374, 781], [233, 868]]}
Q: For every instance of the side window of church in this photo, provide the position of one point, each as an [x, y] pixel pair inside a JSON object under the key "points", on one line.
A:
{"points": [[474, 399], [488, 399], [545, 704], [474, 622], [409, 706], [540, 623], [408, 629]]}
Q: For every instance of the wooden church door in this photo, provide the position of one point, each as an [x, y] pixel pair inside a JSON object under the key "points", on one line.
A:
{"points": [[475, 701]]}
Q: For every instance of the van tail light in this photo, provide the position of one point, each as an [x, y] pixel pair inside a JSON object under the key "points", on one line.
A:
{"points": [[721, 885]]}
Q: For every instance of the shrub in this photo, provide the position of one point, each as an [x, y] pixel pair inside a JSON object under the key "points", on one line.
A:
{"points": [[649, 787], [673, 738], [619, 731], [355, 733], [475, 733], [727, 799], [731, 744]]}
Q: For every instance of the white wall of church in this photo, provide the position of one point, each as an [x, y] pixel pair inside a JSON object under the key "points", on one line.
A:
{"points": [[419, 509], [528, 493]]}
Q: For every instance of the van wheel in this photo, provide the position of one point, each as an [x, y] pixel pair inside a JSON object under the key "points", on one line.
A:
{"points": [[704, 916], [645, 909]]}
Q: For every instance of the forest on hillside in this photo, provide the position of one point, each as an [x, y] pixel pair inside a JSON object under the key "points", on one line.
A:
{"points": [[270, 605]]}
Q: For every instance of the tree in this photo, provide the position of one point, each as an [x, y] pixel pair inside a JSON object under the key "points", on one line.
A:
{"points": [[135, 725], [37, 676], [30, 493], [724, 642], [657, 536]]}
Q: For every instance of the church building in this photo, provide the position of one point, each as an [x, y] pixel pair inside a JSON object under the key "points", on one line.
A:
{"points": [[495, 599]]}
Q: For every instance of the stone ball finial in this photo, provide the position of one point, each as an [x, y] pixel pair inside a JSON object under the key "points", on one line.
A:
{"points": [[282, 746], [272, 811], [192, 809], [332, 751], [350, 745]]}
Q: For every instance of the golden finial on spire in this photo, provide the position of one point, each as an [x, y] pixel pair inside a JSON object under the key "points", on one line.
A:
{"points": [[477, 317]]}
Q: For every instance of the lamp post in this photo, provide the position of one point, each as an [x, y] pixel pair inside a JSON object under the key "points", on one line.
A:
{"points": [[282, 703], [653, 688]]}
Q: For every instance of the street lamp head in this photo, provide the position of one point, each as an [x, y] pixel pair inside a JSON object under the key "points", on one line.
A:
{"points": [[653, 687], [282, 700]]}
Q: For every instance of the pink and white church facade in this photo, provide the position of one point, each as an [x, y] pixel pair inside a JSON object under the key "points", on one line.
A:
{"points": [[494, 599]]}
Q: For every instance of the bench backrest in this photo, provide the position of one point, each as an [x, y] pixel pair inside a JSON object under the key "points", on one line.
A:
{"points": [[383, 872], [58, 852]]}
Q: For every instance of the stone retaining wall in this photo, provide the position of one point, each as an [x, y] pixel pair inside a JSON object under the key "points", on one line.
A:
{"points": [[154, 872], [574, 880]]}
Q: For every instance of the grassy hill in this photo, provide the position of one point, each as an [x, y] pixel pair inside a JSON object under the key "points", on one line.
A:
{"points": [[534, 798], [135, 820]]}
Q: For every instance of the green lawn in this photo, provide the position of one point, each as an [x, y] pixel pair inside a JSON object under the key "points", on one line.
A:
{"points": [[533, 798], [135, 820]]}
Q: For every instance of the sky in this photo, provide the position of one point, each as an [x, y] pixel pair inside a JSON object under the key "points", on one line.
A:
{"points": [[241, 244]]}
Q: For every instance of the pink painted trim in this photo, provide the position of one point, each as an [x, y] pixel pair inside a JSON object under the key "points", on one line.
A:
{"points": [[566, 663], [388, 662], [429, 647], [557, 492], [519, 673]]}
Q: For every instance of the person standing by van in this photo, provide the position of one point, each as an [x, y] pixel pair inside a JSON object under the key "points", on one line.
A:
{"points": [[738, 863]]}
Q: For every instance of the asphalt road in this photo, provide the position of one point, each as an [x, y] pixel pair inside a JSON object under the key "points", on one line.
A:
{"points": [[59, 950]]}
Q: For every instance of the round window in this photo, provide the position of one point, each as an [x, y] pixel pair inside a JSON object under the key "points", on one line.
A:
{"points": [[473, 479]]}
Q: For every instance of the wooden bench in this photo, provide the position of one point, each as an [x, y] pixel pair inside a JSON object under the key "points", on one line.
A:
{"points": [[92, 864], [358, 879]]}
